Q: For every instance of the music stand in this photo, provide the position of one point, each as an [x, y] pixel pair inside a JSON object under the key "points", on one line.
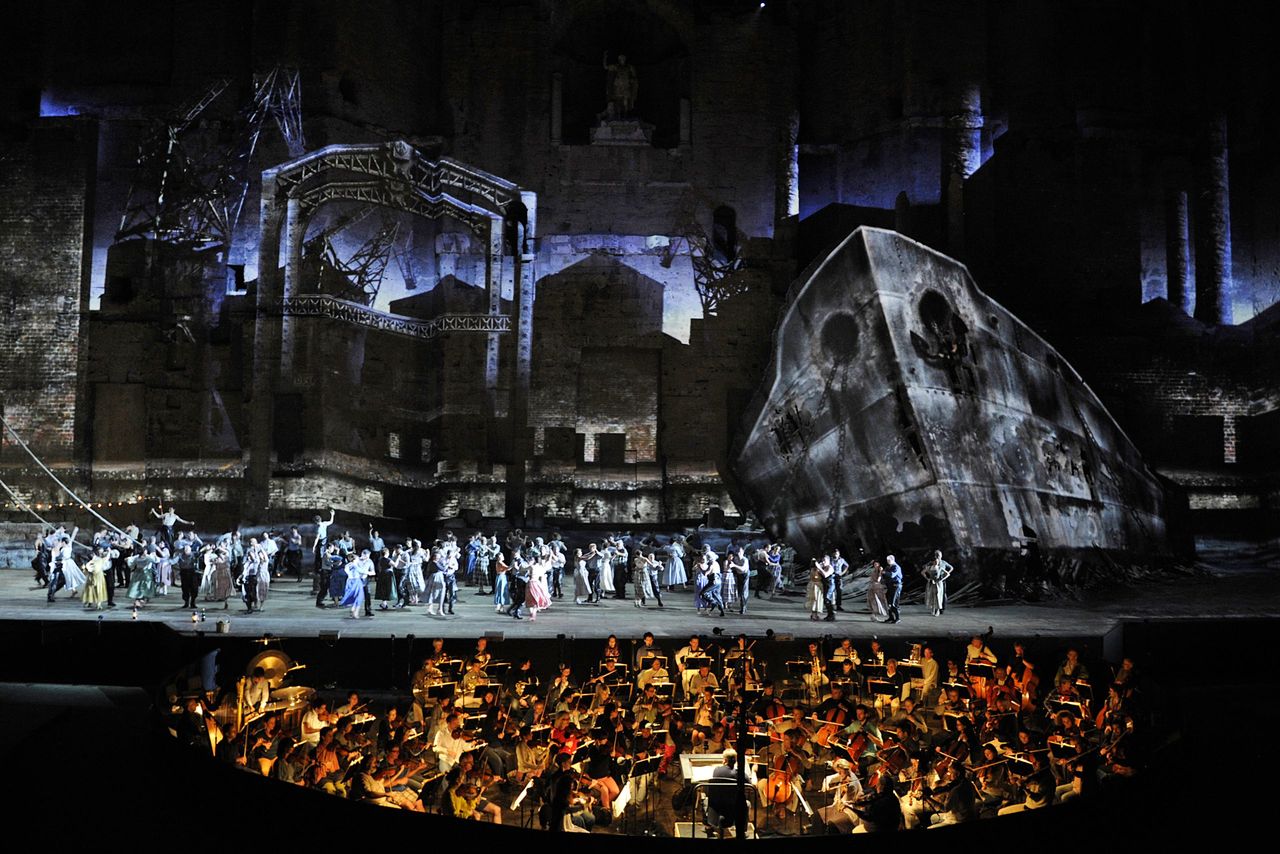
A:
{"points": [[664, 690], [692, 665], [580, 754], [495, 670], [883, 686], [526, 816], [979, 669], [686, 713], [871, 669], [757, 741], [647, 661], [643, 768], [799, 669], [540, 735], [964, 692], [442, 691]]}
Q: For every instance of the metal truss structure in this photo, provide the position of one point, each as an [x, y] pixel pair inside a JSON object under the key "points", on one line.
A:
{"points": [[360, 276], [333, 308], [714, 280], [189, 187]]}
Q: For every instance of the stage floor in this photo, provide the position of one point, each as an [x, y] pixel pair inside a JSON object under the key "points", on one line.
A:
{"points": [[1230, 581]]}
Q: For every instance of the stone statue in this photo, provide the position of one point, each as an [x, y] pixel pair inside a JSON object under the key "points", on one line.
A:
{"points": [[621, 87]]}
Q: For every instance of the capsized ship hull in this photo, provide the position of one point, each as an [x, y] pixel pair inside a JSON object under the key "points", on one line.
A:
{"points": [[906, 410]]}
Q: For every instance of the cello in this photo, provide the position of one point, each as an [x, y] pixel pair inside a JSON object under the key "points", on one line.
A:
{"points": [[783, 769]]}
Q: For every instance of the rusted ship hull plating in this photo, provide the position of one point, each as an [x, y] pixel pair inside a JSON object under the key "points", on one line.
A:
{"points": [[906, 410]]}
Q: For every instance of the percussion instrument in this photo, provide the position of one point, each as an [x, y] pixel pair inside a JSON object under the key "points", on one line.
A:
{"points": [[274, 663]]}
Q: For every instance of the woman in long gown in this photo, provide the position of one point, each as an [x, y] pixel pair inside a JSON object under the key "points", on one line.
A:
{"points": [[606, 573], [435, 595], [70, 571], [384, 588], [353, 588], [536, 595], [338, 583], [414, 580], [95, 586], [264, 570], [676, 573], [581, 580], [164, 569], [936, 572], [142, 577], [500, 584], [877, 602], [815, 600]]}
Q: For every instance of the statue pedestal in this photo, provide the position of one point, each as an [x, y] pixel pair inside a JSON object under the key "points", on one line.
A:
{"points": [[622, 132]]}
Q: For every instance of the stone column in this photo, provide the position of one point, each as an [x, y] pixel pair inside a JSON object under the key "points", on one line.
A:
{"points": [[266, 356], [1178, 250], [686, 122], [787, 200], [294, 228], [1213, 226], [962, 157]]}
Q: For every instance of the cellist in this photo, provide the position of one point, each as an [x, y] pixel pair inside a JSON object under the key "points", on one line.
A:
{"points": [[784, 766]]}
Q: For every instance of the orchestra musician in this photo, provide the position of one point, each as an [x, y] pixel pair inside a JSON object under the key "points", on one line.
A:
{"points": [[838, 816], [654, 674], [816, 676], [691, 650]]}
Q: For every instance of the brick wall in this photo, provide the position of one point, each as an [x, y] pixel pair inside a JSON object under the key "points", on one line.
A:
{"points": [[47, 181]]}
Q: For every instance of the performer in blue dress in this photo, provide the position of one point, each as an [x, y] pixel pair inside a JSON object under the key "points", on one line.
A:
{"points": [[353, 591]]}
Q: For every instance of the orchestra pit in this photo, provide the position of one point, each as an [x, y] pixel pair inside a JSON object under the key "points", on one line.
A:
{"points": [[632, 422]]}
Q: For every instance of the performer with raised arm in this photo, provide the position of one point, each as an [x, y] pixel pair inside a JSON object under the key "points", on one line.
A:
{"points": [[167, 520]]}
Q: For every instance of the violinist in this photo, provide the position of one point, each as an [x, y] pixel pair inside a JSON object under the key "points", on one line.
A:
{"points": [[839, 816], [451, 741], [992, 773], [646, 709], [567, 808], [466, 786], [598, 767], [740, 666], [560, 690], [880, 811], [531, 759], [536, 715]]}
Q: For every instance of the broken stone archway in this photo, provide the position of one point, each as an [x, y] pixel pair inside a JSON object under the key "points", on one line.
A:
{"points": [[394, 175]]}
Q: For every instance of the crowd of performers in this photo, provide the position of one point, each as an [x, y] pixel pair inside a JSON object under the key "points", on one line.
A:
{"points": [[523, 576], [846, 738]]}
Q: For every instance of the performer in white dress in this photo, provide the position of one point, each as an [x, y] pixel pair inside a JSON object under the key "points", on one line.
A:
{"points": [[676, 573], [936, 572], [877, 603], [581, 579], [70, 571]]}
